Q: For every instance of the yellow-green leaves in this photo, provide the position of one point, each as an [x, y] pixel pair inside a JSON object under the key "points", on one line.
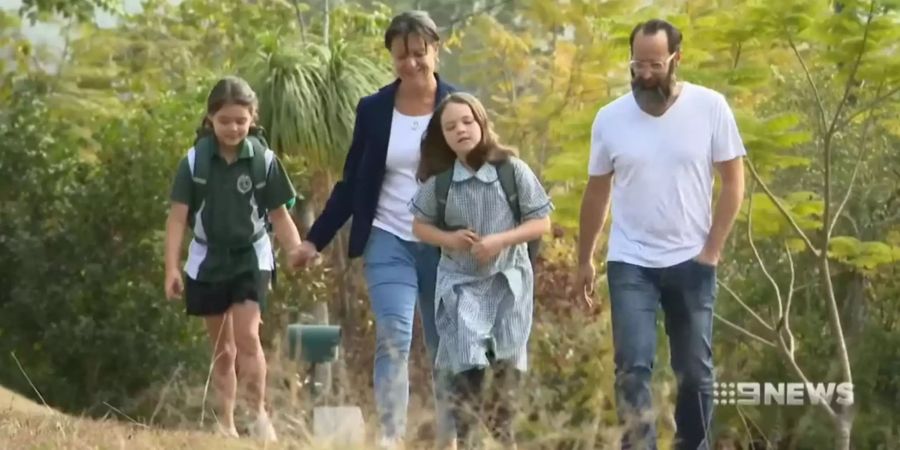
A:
{"points": [[863, 255]]}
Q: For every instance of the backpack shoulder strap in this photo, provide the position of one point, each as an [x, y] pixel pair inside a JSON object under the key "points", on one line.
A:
{"points": [[506, 172], [202, 153], [258, 170], [441, 191]]}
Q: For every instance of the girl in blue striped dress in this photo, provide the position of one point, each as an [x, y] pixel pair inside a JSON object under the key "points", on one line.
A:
{"points": [[485, 280]]}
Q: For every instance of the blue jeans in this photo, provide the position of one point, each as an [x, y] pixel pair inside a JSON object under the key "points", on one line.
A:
{"points": [[399, 272], [686, 292]]}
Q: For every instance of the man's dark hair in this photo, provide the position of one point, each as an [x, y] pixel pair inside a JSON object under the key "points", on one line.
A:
{"points": [[411, 22], [651, 27]]}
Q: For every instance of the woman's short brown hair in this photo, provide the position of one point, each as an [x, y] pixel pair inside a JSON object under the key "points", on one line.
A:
{"points": [[412, 22]]}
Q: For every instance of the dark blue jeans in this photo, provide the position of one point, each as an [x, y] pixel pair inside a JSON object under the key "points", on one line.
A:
{"points": [[686, 292]]}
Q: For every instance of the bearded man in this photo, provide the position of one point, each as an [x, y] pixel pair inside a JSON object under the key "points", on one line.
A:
{"points": [[654, 154]]}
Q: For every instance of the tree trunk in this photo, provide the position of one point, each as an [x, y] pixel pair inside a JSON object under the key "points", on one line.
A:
{"points": [[855, 307], [843, 427]]}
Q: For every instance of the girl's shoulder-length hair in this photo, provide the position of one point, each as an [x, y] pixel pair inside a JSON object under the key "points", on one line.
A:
{"points": [[436, 154]]}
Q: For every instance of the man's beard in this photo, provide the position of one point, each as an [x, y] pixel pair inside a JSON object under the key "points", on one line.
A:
{"points": [[656, 95]]}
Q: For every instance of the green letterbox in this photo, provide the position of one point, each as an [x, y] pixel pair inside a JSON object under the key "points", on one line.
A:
{"points": [[314, 344]]}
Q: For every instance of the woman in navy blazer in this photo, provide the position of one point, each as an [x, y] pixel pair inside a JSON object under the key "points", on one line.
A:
{"points": [[379, 181]]}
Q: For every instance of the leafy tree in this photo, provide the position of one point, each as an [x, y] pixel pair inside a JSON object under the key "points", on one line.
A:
{"points": [[308, 96], [848, 84], [82, 10]]}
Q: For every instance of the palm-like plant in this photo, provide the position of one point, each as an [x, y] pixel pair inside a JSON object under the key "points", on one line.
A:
{"points": [[308, 96]]}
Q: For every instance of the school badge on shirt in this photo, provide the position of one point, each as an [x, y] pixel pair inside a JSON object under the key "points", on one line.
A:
{"points": [[244, 183]]}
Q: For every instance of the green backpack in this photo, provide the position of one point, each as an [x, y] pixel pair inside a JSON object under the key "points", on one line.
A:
{"points": [[204, 146], [507, 176]]}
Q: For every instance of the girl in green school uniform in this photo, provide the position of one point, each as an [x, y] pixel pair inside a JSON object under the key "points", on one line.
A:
{"points": [[225, 189]]}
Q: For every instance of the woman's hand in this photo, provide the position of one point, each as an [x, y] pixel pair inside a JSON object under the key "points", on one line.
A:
{"points": [[302, 255]]}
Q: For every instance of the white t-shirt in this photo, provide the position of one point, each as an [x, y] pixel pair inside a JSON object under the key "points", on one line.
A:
{"points": [[400, 184], [663, 173]]}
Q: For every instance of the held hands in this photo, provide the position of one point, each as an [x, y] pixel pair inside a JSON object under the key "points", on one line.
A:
{"points": [[303, 255]]}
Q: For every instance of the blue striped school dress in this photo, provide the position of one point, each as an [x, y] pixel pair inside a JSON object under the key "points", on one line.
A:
{"points": [[481, 307]]}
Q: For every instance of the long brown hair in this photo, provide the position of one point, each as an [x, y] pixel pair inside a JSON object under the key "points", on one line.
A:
{"points": [[437, 156], [230, 90]]}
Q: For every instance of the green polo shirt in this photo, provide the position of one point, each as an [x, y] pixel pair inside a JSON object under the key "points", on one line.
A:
{"points": [[229, 217]]}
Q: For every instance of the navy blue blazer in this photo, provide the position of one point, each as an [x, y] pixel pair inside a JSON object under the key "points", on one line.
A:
{"points": [[356, 194]]}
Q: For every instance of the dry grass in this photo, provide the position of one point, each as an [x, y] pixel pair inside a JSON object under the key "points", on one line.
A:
{"points": [[181, 404], [183, 416], [180, 413], [12, 402], [57, 431], [27, 425]]}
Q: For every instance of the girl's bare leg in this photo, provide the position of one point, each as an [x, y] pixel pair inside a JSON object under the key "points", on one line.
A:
{"points": [[219, 329], [252, 361]]}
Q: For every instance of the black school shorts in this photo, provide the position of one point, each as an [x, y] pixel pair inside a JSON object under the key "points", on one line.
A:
{"points": [[214, 298]]}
